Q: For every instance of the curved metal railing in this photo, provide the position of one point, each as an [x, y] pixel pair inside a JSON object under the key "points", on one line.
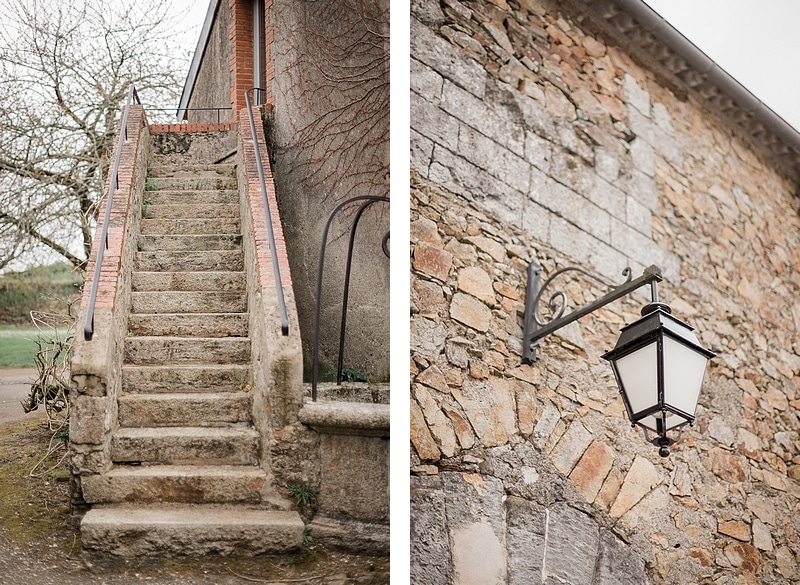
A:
{"points": [[88, 328], [368, 200], [275, 268]]}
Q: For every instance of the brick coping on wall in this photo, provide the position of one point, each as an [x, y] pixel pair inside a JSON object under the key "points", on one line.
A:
{"points": [[192, 127]]}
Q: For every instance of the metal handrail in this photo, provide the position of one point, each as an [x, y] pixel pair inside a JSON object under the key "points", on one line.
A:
{"points": [[275, 268], [88, 328], [368, 200]]}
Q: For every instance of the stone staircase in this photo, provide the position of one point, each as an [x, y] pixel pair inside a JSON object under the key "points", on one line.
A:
{"points": [[186, 475]]}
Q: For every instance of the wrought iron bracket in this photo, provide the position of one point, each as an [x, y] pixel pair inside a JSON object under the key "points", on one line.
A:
{"points": [[534, 328]]}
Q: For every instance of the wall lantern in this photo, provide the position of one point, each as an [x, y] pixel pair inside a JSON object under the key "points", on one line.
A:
{"points": [[658, 362]]}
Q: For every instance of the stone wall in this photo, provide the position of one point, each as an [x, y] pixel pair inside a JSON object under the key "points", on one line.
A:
{"points": [[535, 139], [95, 373], [213, 84]]}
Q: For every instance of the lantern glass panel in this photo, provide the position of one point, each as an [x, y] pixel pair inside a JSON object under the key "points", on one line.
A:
{"points": [[638, 374], [684, 369]]}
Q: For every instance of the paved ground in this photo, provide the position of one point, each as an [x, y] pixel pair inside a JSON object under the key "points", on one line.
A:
{"points": [[15, 383]]}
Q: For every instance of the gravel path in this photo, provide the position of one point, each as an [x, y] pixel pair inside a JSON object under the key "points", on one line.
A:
{"points": [[15, 384]]}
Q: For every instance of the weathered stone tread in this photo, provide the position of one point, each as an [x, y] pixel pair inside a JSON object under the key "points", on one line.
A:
{"points": [[185, 378], [187, 409], [186, 445], [176, 483], [130, 530]]}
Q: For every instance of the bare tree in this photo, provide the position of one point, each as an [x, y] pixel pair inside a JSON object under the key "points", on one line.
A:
{"points": [[65, 70]]}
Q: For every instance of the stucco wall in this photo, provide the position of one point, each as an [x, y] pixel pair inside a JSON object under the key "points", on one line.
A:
{"points": [[330, 139], [213, 84], [536, 139]]}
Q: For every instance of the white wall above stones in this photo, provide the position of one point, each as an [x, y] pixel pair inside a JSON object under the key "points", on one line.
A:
{"points": [[536, 138]]}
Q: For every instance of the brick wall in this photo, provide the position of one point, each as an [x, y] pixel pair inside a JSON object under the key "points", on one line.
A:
{"points": [[534, 138], [241, 55]]}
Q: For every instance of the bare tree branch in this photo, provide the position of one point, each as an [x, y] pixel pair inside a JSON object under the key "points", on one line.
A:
{"points": [[65, 69]]}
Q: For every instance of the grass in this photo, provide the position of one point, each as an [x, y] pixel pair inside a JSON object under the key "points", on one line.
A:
{"points": [[17, 348]]}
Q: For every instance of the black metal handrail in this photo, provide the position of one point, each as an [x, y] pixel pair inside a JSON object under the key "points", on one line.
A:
{"points": [[368, 200], [88, 328], [275, 268]]}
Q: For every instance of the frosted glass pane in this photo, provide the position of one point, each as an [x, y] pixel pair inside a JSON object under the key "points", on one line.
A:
{"points": [[683, 375], [640, 377]]}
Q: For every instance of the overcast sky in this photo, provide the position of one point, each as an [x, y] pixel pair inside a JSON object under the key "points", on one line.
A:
{"points": [[757, 43]]}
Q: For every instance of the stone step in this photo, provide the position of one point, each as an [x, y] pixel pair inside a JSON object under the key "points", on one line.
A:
{"points": [[188, 281], [185, 378], [192, 170], [197, 484], [189, 324], [189, 211], [181, 148], [186, 261], [196, 410], [192, 197], [185, 445], [193, 242], [189, 302], [161, 530], [189, 183], [224, 225], [186, 350]]}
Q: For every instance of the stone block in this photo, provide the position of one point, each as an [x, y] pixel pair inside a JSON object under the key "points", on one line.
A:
{"points": [[571, 447], [735, 529], [538, 151], [493, 121], [470, 311], [618, 563], [590, 472], [90, 420], [536, 220], [494, 158], [641, 478], [545, 425], [354, 478], [572, 546], [133, 531], [638, 217], [433, 261], [438, 424], [490, 407], [727, 465], [525, 539], [430, 542], [433, 123], [479, 554], [762, 536], [425, 82], [474, 281], [449, 61], [473, 183], [421, 153], [568, 204], [642, 156], [421, 437], [635, 96]]}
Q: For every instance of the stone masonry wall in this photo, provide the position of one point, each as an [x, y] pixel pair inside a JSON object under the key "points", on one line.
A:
{"points": [[534, 138]]}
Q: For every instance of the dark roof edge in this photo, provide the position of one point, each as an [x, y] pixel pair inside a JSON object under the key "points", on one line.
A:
{"points": [[194, 68], [706, 66]]}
